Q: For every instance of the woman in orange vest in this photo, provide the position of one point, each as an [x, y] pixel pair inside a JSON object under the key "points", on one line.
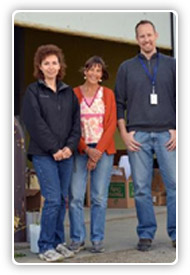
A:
{"points": [[95, 154]]}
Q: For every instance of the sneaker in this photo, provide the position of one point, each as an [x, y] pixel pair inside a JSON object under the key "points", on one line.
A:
{"points": [[97, 247], [51, 256], [144, 244], [76, 246], [62, 249], [174, 243]]}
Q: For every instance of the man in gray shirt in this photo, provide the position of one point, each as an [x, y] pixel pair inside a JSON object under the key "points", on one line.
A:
{"points": [[146, 88]]}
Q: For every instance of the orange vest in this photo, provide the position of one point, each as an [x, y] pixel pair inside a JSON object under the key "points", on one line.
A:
{"points": [[106, 142]]}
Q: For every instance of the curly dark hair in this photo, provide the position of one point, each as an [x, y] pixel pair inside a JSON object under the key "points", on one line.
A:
{"points": [[93, 61], [41, 53]]}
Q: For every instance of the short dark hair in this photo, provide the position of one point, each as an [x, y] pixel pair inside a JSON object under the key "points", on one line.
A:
{"points": [[41, 53], [93, 61], [143, 22]]}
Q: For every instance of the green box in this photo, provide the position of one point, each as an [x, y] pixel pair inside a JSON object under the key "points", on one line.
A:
{"points": [[117, 190], [131, 189]]}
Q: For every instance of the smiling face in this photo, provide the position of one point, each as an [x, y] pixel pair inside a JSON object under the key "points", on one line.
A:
{"points": [[94, 74], [50, 67], [146, 38]]}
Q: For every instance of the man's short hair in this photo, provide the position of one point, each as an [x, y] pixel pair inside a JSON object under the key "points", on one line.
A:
{"points": [[143, 22]]}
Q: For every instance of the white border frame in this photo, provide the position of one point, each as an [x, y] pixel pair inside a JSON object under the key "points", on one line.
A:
{"points": [[177, 196]]}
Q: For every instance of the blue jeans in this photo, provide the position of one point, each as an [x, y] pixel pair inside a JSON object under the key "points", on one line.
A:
{"points": [[54, 177], [142, 169], [100, 180]]}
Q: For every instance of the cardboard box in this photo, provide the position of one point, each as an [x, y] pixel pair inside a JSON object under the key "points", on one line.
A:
{"points": [[157, 182], [33, 200], [130, 193], [33, 181], [158, 198], [121, 191]]}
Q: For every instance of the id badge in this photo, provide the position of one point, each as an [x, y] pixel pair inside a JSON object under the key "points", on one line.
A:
{"points": [[153, 99]]}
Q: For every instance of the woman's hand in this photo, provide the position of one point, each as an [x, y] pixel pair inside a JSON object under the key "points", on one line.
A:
{"points": [[93, 154], [66, 152], [91, 165], [58, 155]]}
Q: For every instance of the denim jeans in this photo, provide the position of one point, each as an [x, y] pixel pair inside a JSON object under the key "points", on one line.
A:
{"points": [[54, 178], [142, 169], [100, 180]]}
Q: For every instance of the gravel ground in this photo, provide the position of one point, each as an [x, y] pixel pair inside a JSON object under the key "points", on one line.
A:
{"points": [[129, 256], [160, 253], [120, 242]]}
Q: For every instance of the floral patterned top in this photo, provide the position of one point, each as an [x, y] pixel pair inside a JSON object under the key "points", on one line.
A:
{"points": [[92, 117]]}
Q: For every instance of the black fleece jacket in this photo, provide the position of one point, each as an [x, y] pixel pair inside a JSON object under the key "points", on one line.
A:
{"points": [[133, 88], [52, 119]]}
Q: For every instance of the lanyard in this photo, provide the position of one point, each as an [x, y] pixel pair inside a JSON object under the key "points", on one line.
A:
{"points": [[151, 77]]}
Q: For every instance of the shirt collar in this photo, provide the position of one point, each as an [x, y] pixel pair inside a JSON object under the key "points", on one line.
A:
{"points": [[154, 56], [60, 85]]}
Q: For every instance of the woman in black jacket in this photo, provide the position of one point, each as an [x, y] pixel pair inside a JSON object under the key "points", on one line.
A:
{"points": [[51, 114]]}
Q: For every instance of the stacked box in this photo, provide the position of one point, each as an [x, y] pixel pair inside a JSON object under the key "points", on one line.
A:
{"points": [[158, 189], [121, 191], [34, 200]]}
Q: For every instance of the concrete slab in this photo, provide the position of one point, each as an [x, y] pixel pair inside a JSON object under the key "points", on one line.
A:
{"points": [[120, 242]]}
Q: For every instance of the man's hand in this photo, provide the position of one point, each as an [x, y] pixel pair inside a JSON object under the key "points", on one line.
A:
{"points": [[171, 144], [128, 138], [131, 144]]}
